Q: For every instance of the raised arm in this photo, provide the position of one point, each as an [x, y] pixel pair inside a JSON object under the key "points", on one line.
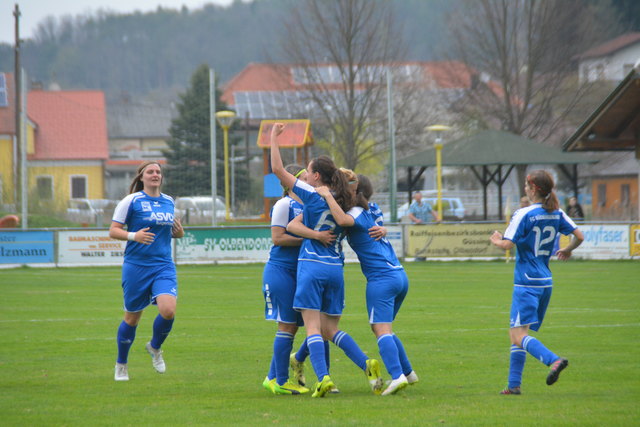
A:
{"points": [[287, 179], [342, 219]]}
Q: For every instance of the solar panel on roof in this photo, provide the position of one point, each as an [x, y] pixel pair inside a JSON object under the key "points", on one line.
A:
{"points": [[4, 102]]}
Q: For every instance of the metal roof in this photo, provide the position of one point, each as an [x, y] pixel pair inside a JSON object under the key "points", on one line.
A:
{"points": [[493, 147]]}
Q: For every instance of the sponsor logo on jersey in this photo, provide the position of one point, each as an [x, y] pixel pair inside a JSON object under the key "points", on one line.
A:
{"points": [[161, 218], [146, 206]]}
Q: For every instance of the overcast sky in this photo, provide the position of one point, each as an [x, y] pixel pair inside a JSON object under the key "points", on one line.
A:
{"points": [[33, 11]]}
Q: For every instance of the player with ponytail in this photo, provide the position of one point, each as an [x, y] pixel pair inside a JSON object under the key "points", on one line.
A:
{"points": [[320, 283], [533, 229]]}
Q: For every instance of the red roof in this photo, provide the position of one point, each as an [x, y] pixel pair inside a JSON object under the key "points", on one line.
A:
{"points": [[278, 77], [8, 114], [612, 46], [70, 125]]}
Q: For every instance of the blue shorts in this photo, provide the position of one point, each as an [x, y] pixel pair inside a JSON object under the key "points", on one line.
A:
{"points": [[278, 288], [320, 287], [385, 295], [529, 305], [142, 284]]}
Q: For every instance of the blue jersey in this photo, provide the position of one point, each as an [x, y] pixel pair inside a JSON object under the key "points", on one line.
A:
{"points": [[317, 216], [376, 256], [138, 211], [282, 213], [534, 232]]}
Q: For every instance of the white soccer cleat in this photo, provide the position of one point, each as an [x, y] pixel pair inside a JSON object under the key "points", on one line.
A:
{"points": [[156, 358], [396, 385], [412, 378], [122, 373]]}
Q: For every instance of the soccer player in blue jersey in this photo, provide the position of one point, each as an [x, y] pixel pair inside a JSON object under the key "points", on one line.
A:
{"points": [[148, 271], [279, 287], [533, 231], [320, 283], [387, 282]]}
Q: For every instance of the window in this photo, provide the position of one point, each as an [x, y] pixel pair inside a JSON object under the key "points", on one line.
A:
{"points": [[3, 91], [78, 187], [44, 187], [625, 194], [602, 195]]}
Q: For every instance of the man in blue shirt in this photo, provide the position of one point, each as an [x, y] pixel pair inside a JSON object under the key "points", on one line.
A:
{"points": [[421, 212]]}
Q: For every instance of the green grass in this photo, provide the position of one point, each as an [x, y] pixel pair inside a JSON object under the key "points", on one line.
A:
{"points": [[57, 351]]}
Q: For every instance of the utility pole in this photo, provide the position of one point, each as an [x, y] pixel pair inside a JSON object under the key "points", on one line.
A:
{"points": [[17, 86]]}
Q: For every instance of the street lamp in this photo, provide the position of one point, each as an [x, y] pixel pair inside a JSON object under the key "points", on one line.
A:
{"points": [[225, 120], [438, 129]]}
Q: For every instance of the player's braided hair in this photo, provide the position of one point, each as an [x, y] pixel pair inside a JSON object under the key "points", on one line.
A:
{"points": [[136, 184], [542, 182], [332, 177]]}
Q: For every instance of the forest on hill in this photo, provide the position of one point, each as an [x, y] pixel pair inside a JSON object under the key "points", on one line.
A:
{"points": [[143, 52]]}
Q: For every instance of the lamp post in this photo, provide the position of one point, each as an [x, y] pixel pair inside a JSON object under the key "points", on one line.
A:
{"points": [[225, 120], [438, 145]]}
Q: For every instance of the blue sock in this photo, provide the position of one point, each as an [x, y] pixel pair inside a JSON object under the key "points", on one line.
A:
{"points": [[538, 350], [402, 354], [516, 366], [327, 359], [303, 352], [282, 345], [161, 329], [316, 354], [126, 335], [350, 348], [389, 354], [272, 369]]}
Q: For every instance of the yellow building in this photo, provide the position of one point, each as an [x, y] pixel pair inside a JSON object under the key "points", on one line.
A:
{"points": [[67, 147]]}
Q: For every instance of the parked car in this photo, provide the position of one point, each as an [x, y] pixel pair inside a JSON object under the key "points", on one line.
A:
{"points": [[91, 211], [452, 206], [199, 209]]}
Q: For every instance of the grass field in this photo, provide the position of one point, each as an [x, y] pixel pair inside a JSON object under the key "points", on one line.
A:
{"points": [[57, 351]]}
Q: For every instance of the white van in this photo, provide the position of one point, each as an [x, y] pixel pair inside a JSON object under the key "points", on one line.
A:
{"points": [[199, 209]]}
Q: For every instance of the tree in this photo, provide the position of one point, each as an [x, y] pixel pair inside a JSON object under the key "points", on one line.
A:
{"points": [[340, 49], [188, 157], [524, 53]]}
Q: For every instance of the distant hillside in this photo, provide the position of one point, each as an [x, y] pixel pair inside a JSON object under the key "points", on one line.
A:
{"points": [[146, 52]]}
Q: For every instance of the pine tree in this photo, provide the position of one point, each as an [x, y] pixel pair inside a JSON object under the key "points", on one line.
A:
{"points": [[188, 171]]}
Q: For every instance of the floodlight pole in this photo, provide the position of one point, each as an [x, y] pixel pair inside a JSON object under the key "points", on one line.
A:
{"points": [[392, 152], [225, 119], [438, 146], [212, 143]]}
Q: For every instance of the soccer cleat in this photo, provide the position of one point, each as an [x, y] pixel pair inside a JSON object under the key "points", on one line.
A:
{"points": [[268, 384], [396, 385], [323, 387], [511, 390], [156, 358], [298, 370], [412, 378], [289, 388], [372, 371], [556, 368], [122, 373]]}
